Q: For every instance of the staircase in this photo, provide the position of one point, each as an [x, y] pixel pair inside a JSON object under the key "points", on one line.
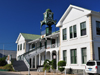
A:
{"points": [[19, 65]]}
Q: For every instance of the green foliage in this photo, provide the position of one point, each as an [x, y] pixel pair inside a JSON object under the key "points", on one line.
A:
{"points": [[70, 71], [47, 61], [46, 64], [61, 65], [8, 67], [46, 67], [54, 64], [3, 61]]}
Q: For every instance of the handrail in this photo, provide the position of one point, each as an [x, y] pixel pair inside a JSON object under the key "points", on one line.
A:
{"points": [[26, 62]]}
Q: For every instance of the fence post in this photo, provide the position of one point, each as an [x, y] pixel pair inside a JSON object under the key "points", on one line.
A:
{"points": [[65, 71], [45, 72], [83, 72]]}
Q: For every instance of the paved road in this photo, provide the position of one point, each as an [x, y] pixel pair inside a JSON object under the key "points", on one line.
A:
{"points": [[8, 73]]}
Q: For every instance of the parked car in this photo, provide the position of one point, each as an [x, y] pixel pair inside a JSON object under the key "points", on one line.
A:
{"points": [[92, 67]]}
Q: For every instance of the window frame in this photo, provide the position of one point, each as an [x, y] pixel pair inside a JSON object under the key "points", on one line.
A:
{"points": [[84, 55], [73, 31], [74, 57], [65, 56], [97, 28], [64, 34], [99, 53], [20, 46], [81, 29]]}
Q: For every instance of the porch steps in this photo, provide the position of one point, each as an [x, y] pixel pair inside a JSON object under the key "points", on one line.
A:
{"points": [[19, 66]]}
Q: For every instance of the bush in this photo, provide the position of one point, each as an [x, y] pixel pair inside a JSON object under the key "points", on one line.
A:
{"points": [[46, 64], [8, 67], [54, 64], [3, 61], [47, 61], [61, 65]]}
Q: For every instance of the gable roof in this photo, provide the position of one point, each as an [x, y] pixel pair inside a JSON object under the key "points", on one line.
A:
{"points": [[28, 36], [67, 12]]}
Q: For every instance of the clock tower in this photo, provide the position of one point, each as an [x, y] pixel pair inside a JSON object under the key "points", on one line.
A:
{"points": [[48, 21]]}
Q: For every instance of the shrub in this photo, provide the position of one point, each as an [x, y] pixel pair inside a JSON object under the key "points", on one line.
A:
{"points": [[47, 61], [3, 61], [46, 64], [61, 65], [54, 64], [8, 67]]}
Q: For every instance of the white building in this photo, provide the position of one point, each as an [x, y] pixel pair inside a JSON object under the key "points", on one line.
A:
{"points": [[77, 41]]}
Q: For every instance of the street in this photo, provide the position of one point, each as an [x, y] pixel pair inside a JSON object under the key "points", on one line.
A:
{"points": [[9, 73]]}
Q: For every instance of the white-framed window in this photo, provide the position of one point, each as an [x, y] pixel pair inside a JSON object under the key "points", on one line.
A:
{"points": [[20, 46], [65, 55], [73, 56], [64, 34], [73, 31], [84, 55], [98, 27], [83, 28]]}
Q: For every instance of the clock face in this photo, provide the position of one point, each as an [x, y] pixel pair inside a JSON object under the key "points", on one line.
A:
{"points": [[50, 16]]}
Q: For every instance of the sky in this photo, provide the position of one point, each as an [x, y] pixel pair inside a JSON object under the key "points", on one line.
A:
{"points": [[24, 16]]}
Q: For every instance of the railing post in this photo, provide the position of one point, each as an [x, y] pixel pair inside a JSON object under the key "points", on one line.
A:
{"points": [[29, 70]]}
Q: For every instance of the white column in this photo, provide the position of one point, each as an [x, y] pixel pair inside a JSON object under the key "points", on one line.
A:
{"points": [[50, 55], [31, 62], [57, 59], [36, 61], [39, 59]]}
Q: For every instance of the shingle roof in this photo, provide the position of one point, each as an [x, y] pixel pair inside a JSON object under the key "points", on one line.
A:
{"points": [[30, 36]]}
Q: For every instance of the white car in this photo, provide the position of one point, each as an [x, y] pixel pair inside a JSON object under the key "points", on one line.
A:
{"points": [[92, 67]]}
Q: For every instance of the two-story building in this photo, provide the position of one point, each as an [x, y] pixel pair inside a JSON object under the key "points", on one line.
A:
{"points": [[76, 42]]}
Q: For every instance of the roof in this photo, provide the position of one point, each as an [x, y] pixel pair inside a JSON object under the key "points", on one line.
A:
{"points": [[30, 36], [86, 11], [48, 10]]}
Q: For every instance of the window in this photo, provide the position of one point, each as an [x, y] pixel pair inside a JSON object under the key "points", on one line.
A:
{"points": [[90, 63], [98, 27], [73, 32], [33, 45], [83, 28], [99, 53], [64, 34], [73, 56], [84, 55], [20, 46], [23, 45], [65, 55]]}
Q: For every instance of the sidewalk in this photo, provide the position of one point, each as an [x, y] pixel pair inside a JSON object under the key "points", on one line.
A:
{"points": [[39, 73]]}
